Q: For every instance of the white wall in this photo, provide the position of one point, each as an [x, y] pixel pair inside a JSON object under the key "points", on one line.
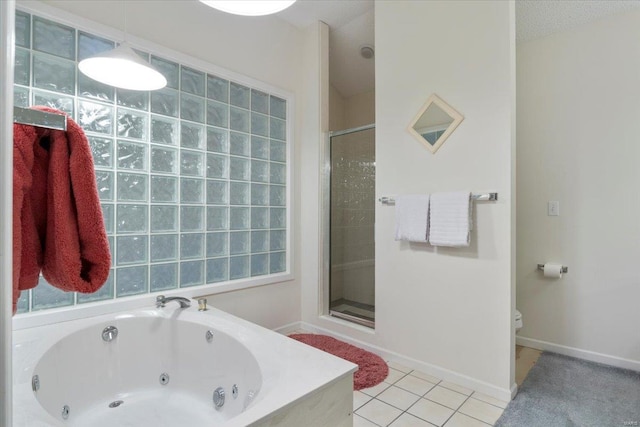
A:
{"points": [[360, 109], [578, 135], [444, 311]]}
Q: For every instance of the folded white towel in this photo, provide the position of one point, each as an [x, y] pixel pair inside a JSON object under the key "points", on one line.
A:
{"points": [[450, 219], [412, 218]]}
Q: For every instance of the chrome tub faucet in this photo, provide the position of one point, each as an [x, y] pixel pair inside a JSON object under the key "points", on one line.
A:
{"points": [[161, 301]]}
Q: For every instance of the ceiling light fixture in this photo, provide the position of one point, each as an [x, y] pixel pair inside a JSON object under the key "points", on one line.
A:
{"points": [[366, 51], [249, 7]]}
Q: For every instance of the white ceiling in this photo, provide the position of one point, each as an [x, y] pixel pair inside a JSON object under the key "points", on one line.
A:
{"points": [[351, 24]]}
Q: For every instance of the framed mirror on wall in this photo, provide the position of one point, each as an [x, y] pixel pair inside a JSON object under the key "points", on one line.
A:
{"points": [[435, 121]]}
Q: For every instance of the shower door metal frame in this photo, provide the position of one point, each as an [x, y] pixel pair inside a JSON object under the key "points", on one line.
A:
{"points": [[326, 229]]}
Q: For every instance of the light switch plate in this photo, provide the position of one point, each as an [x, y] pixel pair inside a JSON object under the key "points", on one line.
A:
{"points": [[553, 208]]}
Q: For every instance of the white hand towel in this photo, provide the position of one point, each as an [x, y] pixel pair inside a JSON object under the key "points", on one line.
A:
{"points": [[450, 219], [412, 218]]}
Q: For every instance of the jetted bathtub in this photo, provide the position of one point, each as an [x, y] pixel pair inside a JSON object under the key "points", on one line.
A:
{"points": [[174, 367]]}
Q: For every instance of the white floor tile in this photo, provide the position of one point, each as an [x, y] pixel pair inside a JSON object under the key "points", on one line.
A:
{"points": [[399, 367], [461, 420], [456, 387], [415, 385], [359, 399], [379, 412], [431, 411], [375, 390], [408, 420], [425, 377], [446, 397], [358, 421], [495, 402], [394, 375], [481, 410], [398, 397]]}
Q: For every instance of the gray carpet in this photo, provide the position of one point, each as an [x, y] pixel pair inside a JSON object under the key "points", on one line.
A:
{"points": [[564, 391]]}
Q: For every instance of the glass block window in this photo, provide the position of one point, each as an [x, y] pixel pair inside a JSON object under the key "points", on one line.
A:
{"points": [[192, 178]]}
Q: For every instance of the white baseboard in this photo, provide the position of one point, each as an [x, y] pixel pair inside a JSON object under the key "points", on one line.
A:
{"points": [[592, 356], [436, 371]]}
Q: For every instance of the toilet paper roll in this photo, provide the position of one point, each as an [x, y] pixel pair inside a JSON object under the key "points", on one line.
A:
{"points": [[553, 270]]}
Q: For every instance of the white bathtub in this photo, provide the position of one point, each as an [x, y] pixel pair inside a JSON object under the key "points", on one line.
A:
{"points": [[161, 370]]}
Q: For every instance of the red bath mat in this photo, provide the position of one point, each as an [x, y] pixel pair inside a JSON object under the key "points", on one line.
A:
{"points": [[372, 370]]}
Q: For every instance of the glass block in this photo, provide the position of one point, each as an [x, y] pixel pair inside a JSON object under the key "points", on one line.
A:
{"points": [[191, 163], [239, 119], [23, 302], [54, 74], [217, 270], [133, 99], [217, 244], [191, 135], [46, 296], [217, 192], [164, 276], [239, 218], [278, 129], [278, 151], [54, 38], [165, 101], [192, 108], [259, 218], [164, 130], [259, 124], [164, 189], [191, 190], [131, 218], [104, 293], [131, 249], [239, 144], [131, 281], [239, 242], [278, 107], [23, 29], [259, 171], [192, 81], [105, 185], [89, 45], [89, 88], [217, 166], [112, 245], [259, 101], [94, 117], [217, 88], [217, 114], [239, 169], [54, 100], [239, 193], [259, 194], [132, 124], [191, 246], [132, 155], [164, 247], [217, 218], [277, 195], [259, 148], [278, 173], [169, 69], [20, 96], [132, 187], [277, 262], [259, 241], [217, 140], [164, 218], [239, 95], [191, 273], [259, 264], [238, 267], [22, 67], [164, 160], [191, 218], [278, 240], [141, 54], [107, 215]]}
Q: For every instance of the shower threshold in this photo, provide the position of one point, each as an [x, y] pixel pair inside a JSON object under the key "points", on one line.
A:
{"points": [[356, 312]]}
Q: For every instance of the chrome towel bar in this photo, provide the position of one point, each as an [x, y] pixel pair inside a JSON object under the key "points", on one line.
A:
{"points": [[485, 197]]}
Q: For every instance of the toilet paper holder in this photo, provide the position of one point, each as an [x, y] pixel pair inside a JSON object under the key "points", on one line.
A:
{"points": [[565, 269]]}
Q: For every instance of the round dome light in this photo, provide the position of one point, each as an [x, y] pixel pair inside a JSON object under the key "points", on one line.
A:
{"points": [[249, 7]]}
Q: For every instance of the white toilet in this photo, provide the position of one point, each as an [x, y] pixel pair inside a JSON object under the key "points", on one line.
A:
{"points": [[518, 321]]}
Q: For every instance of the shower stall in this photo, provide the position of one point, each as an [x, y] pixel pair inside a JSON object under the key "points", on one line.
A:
{"points": [[351, 217]]}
